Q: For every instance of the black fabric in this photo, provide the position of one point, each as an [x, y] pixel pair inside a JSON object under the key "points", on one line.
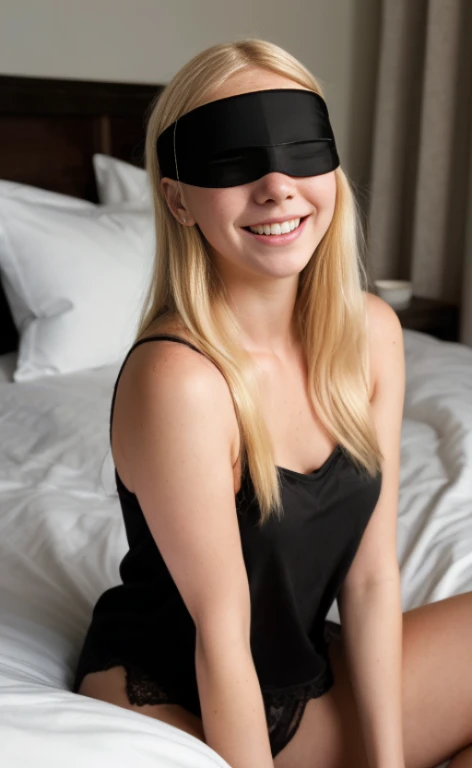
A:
{"points": [[238, 139], [296, 566]]}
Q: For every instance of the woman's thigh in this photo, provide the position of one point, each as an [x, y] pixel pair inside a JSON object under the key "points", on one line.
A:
{"points": [[110, 686], [437, 696]]}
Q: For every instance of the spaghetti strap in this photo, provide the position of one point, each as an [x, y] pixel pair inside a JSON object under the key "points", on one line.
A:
{"points": [[165, 337]]}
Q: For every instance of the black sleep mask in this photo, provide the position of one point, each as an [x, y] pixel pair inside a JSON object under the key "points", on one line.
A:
{"points": [[240, 138]]}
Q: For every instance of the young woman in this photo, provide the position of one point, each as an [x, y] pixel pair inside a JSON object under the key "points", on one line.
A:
{"points": [[256, 428]]}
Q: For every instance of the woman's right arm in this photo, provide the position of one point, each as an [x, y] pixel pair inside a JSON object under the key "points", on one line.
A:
{"points": [[175, 437]]}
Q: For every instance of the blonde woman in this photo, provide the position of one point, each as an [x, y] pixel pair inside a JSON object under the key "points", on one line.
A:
{"points": [[255, 429]]}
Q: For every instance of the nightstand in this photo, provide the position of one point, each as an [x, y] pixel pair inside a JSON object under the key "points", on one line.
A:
{"points": [[438, 318]]}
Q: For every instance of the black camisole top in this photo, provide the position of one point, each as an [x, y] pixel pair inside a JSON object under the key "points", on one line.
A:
{"points": [[296, 566]]}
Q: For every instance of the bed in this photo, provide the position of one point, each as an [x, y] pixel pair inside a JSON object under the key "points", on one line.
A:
{"points": [[61, 531]]}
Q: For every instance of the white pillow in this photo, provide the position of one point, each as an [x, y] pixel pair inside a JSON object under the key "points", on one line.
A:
{"points": [[27, 193], [75, 277], [120, 182]]}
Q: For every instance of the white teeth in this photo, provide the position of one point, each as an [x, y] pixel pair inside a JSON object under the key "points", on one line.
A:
{"points": [[276, 229]]}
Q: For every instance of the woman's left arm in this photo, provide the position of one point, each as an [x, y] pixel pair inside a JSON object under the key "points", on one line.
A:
{"points": [[372, 628], [369, 602]]}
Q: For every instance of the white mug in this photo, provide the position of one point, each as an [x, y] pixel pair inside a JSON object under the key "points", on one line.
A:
{"points": [[397, 293]]}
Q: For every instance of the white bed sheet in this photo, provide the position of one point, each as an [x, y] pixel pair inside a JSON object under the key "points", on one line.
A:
{"points": [[62, 539]]}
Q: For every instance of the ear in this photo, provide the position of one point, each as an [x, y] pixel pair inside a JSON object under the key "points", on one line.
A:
{"points": [[171, 191]]}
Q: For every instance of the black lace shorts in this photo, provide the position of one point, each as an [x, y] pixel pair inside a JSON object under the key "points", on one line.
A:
{"points": [[284, 710]]}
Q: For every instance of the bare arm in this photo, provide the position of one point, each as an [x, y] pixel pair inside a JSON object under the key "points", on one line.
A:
{"points": [[370, 601], [178, 431]]}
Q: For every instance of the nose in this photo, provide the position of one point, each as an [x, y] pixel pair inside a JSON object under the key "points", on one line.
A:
{"points": [[275, 186]]}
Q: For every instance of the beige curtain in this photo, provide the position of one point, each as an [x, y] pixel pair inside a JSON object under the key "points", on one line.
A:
{"points": [[420, 209]]}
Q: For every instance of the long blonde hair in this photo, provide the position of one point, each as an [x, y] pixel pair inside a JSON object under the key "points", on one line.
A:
{"points": [[330, 307]]}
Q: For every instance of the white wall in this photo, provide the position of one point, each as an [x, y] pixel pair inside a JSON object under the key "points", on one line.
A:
{"points": [[149, 40]]}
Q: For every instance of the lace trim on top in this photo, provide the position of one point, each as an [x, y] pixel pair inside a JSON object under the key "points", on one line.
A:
{"points": [[141, 688], [283, 708]]}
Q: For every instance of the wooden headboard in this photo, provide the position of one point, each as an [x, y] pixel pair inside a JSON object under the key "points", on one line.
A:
{"points": [[49, 131]]}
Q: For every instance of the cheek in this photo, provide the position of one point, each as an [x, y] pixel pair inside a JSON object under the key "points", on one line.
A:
{"points": [[211, 218], [324, 197], [214, 205], [216, 212]]}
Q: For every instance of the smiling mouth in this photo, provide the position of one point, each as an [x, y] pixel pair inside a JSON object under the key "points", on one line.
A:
{"points": [[269, 234], [248, 229]]}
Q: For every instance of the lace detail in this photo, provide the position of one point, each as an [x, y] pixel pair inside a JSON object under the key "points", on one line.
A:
{"points": [[284, 709], [283, 715], [141, 689]]}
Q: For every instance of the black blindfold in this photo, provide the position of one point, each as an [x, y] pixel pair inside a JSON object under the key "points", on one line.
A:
{"points": [[241, 138]]}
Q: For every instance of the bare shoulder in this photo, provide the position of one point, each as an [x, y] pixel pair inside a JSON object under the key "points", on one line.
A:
{"points": [[382, 317], [384, 333], [162, 373], [174, 441]]}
